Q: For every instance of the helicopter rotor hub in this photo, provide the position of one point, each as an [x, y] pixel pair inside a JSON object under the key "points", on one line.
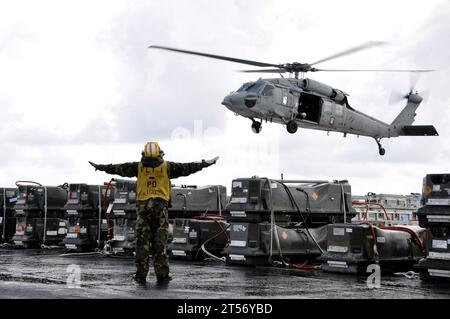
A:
{"points": [[297, 67]]}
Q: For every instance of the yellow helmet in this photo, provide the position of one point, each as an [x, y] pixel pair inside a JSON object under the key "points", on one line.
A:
{"points": [[151, 149]]}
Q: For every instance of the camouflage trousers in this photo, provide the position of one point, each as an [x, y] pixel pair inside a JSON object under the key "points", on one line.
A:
{"points": [[151, 237]]}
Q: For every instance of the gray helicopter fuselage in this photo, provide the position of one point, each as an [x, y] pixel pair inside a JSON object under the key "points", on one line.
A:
{"points": [[311, 104]]}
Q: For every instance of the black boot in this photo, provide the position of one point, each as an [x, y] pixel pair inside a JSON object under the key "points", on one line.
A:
{"points": [[141, 281], [164, 279]]}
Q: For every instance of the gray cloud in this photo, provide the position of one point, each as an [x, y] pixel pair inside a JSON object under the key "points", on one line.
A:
{"points": [[160, 91]]}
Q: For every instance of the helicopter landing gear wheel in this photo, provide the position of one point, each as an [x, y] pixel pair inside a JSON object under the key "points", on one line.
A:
{"points": [[381, 150], [291, 126], [256, 127]]}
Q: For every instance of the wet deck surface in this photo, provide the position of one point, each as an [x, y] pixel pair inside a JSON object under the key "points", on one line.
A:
{"points": [[43, 274]]}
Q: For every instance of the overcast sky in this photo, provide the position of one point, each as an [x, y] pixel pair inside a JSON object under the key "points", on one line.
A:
{"points": [[78, 83]]}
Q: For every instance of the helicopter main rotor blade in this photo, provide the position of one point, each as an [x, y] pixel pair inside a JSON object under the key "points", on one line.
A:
{"points": [[371, 70], [363, 46], [213, 56], [264, 71]]}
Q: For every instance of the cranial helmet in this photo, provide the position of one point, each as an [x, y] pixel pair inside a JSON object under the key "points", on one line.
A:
{"points": [[151, 149]]}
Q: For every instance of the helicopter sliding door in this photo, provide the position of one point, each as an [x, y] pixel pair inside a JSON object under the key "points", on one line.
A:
{"points": [[309, 107]]}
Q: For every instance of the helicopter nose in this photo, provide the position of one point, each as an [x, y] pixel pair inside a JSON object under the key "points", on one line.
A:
{"points": [[233, 102], [227, 101]]}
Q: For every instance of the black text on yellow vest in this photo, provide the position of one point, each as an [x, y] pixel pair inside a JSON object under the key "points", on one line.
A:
{"points": [[153, 182]]}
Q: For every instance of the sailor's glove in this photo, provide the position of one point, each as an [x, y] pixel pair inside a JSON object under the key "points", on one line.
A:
{"points": [[96, 166], [210, 162]]}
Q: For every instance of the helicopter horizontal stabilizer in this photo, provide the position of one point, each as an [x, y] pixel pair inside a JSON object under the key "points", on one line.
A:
{"points": [[419, 130]]}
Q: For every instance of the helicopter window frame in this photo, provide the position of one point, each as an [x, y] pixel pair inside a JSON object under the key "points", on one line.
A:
{"points": [[268, 90], [284, 96]]}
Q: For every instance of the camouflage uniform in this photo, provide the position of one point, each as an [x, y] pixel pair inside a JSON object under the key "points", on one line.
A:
{"points": [[152, 223], [151, 237]]}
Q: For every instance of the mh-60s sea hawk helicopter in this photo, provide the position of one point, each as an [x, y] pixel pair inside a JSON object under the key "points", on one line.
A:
{"points": [[310, 104]]}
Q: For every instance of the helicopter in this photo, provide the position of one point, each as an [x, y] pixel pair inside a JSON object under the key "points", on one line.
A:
{"points": [[302, 102]]}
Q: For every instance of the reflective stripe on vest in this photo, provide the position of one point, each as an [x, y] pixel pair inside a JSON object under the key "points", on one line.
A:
{"points": [[153, 182]]}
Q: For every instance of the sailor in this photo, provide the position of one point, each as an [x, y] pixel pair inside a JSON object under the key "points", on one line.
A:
{"points": [[153, 199]]}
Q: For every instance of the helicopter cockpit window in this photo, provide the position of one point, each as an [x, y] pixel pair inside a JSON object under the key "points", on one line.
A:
{"points": [[268, 90], [255, 87], [245, 86]]}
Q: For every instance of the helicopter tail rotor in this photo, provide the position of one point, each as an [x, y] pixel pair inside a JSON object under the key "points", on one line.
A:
{"points": [[397, 96], [413, 79], [402, 124]]}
